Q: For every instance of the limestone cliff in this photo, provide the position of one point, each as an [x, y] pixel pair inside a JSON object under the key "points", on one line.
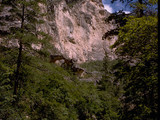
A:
{"points": [[77, 27]]}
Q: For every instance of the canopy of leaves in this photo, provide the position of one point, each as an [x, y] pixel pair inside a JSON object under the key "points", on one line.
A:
{"points": [[137, 46]]}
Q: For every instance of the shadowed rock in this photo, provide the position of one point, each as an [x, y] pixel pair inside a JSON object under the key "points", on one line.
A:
{"points": [[54, 58], [78, 71], [67, 64]]}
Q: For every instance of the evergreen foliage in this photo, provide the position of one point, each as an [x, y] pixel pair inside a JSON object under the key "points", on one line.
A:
{"points": [[45, 91], [109, 91], [32, 88]]}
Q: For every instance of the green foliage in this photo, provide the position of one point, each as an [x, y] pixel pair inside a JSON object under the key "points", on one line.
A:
{"points": [[139, 36], [93, 66], [138, 49], [118, 17], [47, 91], [107, 76], [110, 91], [26, 35], [135, 73], [6, 96]]}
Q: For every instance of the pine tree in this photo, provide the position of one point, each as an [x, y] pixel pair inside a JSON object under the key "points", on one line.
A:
{"points": [[109, 91], [26, 35]]}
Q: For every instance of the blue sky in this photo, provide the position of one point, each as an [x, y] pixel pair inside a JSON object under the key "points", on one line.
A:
{"points": [[116, 6]]}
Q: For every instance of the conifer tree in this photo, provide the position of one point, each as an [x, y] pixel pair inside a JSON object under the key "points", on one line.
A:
{"points": [[27, 12]]}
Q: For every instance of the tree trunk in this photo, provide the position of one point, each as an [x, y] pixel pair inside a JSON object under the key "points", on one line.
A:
{"points": [[19, 59], [141, 9], [18, 68]]}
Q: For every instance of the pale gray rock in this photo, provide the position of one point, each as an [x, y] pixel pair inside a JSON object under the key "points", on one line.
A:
{"points": [[77, 29]]}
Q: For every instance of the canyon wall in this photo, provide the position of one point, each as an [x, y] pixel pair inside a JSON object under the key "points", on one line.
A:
{"points": [[77, 28]]}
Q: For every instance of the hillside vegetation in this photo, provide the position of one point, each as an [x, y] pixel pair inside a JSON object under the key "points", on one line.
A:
{"points": [[32, 88]]}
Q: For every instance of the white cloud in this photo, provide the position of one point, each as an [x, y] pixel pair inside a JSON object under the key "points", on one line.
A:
{"points": [[108, 8], [127, 12]]}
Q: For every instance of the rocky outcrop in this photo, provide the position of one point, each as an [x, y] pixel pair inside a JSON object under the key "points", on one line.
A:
{"points": [[68, 64], [7, 20], [77, 27]]}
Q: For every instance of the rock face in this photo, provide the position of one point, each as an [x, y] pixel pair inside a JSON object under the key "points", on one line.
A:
{"points": [[77, 27]]}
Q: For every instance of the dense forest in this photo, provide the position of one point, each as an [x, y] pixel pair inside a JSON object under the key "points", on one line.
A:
{"points": [[32, 88]]}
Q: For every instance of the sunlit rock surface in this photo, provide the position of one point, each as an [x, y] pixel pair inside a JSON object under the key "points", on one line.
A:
{"points": [[77, 29]]}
